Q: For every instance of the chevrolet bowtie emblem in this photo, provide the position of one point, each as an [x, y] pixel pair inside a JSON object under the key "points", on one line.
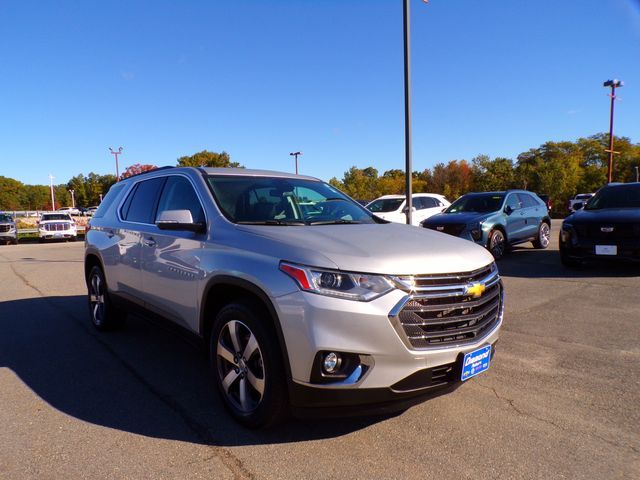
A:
{"points": [[475, 289]]}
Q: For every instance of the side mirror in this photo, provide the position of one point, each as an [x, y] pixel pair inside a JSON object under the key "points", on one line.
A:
{"points": [[179, 220], [578, 205], [508, 210], [406, 209]]}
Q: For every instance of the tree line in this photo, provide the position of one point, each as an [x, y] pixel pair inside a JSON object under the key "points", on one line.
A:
{"points": [[559, 169]]}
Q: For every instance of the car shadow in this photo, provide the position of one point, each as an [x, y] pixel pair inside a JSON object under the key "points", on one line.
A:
{"points": [[140, 379], [527, 262]]}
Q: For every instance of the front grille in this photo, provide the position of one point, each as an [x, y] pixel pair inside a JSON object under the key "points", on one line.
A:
{"points": [[57, 227], [440, 311], [454, 229], [621, 231], [5, 228]]}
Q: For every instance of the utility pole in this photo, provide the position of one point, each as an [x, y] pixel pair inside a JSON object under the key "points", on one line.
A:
{"points": [[295, 154], [613, 84], [637, 174], [53, 199], [407, 110], [115, 153], [73, 198]]}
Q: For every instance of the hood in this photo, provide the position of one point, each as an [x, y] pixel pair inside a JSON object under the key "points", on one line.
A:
{"points": [[605, 215], [456, 218], [393, 248]]}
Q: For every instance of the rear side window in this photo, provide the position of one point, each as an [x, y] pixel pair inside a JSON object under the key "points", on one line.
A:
{"points": [[108, 200], [178, 194], [141, 203], [528, 200]]}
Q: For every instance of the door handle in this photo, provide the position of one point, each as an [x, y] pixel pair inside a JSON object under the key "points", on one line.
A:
{"points": [[149, 242]]}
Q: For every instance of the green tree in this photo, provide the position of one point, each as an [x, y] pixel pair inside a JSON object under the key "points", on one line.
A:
{"points": [[206, 158], [12, 194], [492, 175]]}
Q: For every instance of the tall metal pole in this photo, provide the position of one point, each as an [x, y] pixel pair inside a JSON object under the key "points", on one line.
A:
{"points": [[295, 154], [637, 174], [53, 199], [613, 84], [73, 198], [115, 153], [407, 111], [613, 102]]}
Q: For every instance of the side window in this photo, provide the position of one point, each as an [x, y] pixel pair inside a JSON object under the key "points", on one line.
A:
{"points": [[112, 194], [513, 201], [418, 203], [430, 202], [178, 194], [528, 200], [141, 204]]}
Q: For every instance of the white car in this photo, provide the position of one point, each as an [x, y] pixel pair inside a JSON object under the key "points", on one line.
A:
{"points": [[580, 198], [69, 210], [392, 207], [57, 226]]}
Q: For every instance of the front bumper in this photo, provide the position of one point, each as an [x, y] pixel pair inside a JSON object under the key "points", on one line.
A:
{"points": [[57, 235], [392, 373], [575, 247]]}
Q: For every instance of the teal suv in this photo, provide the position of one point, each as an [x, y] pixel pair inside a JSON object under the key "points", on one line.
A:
{"points": [[496, 220]]}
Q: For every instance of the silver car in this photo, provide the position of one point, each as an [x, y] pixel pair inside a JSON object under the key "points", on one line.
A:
{"points": [[8, 231], [307, 301]]}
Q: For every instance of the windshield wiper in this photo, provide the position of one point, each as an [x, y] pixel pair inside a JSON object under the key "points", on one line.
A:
{"points": [[273, 222], [339, 221]]}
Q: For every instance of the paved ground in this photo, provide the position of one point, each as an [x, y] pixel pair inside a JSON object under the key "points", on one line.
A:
{"points": [[561, 399]]}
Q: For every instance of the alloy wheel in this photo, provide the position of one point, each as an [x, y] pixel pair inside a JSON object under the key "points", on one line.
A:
{"points": [[96, 299], [545, 235], [240, 366], [497, 246]]}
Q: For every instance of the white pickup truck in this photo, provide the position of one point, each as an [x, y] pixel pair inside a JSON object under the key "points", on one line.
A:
{"points": [[580, 198]]}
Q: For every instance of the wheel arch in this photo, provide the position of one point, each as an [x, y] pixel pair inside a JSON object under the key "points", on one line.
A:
{"points": [[91, 260], [222, 290]]}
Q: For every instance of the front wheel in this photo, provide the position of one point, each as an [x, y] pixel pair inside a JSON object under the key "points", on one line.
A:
{"points": [[544, 235], [497, 244], [248, 368]]}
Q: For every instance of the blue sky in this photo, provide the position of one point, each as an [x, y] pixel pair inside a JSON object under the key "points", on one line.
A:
{"points": [[260, 79]]}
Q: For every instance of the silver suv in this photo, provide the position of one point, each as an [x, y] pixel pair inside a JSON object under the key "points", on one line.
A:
{"points": [[8, 231], [307, 301]]}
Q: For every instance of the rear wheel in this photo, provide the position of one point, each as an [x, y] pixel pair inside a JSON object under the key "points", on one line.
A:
{"points": [[104, 315], [248, 368], [544, 235], [497, 244]]}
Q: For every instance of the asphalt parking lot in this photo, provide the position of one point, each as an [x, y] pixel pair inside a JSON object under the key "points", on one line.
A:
{"points": [[561, 399]]}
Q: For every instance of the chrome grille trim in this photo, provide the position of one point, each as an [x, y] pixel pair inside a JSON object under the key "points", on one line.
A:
{"points": [[442, 316]]}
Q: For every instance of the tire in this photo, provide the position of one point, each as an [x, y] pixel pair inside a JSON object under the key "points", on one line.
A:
{"points": [[14, 241], [497, 244], [104, 315], [544, 236], [247, 365]]}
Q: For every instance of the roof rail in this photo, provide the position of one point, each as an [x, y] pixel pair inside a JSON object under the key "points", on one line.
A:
{"points": [[148, 171]]}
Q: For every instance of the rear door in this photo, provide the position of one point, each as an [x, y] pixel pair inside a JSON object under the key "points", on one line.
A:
{"points": [[533, 210], [170, 260], [137, 215], [426, 207]]}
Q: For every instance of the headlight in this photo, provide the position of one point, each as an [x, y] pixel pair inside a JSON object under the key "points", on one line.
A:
{"points": [[351, 286], [476, 230]]}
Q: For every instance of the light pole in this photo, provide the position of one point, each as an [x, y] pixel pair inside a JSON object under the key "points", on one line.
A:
{"points": [[53, 199], [73, 198], [295, 154], [115, 153], [406, 17], [637, 174], [613, 84]]}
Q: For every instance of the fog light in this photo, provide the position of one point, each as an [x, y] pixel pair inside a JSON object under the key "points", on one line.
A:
{"points": [[331, 362], [476, 234]]}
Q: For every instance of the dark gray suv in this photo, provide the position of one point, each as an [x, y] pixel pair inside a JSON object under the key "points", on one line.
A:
{"points": [[305, 299]]}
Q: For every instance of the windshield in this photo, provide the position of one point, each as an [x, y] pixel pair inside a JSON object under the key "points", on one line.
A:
{"points": [[5, 218], [479, 203], [385, 205], [284, 201], [55, 216], [623, 196]]}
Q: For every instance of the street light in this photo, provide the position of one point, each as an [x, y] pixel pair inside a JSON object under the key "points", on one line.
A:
{"points": [[116, 153], [408, 168], [613, 84], [73, 198], [53, 198], [295, 154]]}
